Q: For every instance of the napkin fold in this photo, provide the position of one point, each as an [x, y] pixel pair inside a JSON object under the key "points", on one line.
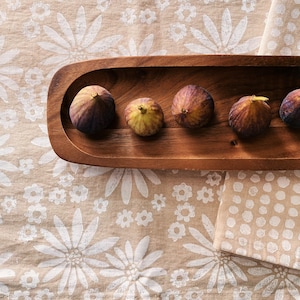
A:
{"points": [[259, 216]]}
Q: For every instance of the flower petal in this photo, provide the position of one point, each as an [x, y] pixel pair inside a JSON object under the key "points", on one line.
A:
{"points": [[150, 259], [113, 181], [50, 251], [77, 228], [51, 239], [126, 187], [66, 29], [141, 249], [140, 182], [63, 232], [100, 246], [92, 32]]}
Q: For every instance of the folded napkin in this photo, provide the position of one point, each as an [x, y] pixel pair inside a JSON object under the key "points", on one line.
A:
{"points": [[259, 216]]}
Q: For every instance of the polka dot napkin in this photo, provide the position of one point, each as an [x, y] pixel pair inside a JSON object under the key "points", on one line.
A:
{"points": [[258, 216]]}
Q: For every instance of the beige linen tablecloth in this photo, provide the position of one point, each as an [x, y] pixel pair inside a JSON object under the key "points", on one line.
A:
{"points": [[70, 231]]}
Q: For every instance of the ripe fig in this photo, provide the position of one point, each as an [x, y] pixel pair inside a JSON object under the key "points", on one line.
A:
{"points": [[250, 116], [92, 109], [192, 107], [144, 116], [289, 110]]}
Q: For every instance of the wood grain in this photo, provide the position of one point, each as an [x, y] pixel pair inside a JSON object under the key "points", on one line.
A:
{"points": [[215, 147]]}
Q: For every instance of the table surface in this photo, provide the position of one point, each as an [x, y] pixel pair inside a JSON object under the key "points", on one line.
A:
{"points": [[75, 231]]}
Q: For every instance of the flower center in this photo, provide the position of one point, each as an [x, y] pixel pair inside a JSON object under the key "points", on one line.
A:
{"points": [[133, 273], [74, 256]]}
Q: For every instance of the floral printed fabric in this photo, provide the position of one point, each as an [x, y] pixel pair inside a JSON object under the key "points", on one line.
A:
{"points": [[72, 231]]}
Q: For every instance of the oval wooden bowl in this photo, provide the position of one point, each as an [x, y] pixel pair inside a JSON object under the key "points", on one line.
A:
{"points": [[214, 147]]}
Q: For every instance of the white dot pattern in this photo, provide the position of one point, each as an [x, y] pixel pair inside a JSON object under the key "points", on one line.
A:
{"points": [[259, 218], [283, 30]]}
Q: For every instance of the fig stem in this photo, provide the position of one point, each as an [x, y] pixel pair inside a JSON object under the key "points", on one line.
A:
{"points": [[94, 95], [142, 109], [259, 98]]}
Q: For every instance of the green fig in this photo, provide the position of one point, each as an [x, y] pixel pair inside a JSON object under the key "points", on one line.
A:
{"points": [[250, 116], [144, 116], [92, 109], [289, 110], [192, 107]]}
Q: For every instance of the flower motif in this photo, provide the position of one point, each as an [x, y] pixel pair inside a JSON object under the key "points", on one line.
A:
{"points": [[158, 202], [222, 266], [147, 16], [57, 196], [79, 193], [177, 31], [125, 177], [6, 58], [9, 203], [176, 231], [70, 46], [228, 41], [138, 50], [214, 178], [30, 279], [162, 4], [206, 195], [124, 218], [277, 279], [183, 8], [5, 273], [71, 256], [100, 205], [185, 212], [128, 16], [8, 118], [179, 278], [36, 213], [182, 192], [133, 271], [33, 193], [144, 218], [39, 11], [27, 233]]}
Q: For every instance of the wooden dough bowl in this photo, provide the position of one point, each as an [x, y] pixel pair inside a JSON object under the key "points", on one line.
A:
{"points": [[213, 147]]}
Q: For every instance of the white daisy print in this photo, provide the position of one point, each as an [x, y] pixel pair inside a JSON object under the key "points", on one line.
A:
{"points": [[220, 266], [143, 48], [7, 69], [228, 40], [125, 177], [72, 45], [133, 271], [276, 281], [72, 255]]}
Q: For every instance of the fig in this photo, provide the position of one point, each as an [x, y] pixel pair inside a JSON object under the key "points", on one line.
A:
{"points": [[192, 107], [289, 110], [92, 109], [250, 116], [144, 116]]}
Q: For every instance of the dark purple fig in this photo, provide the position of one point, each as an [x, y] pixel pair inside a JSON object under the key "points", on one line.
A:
{"points": [[250, 116], [192, 107], [92, 109], [289, 110]]}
